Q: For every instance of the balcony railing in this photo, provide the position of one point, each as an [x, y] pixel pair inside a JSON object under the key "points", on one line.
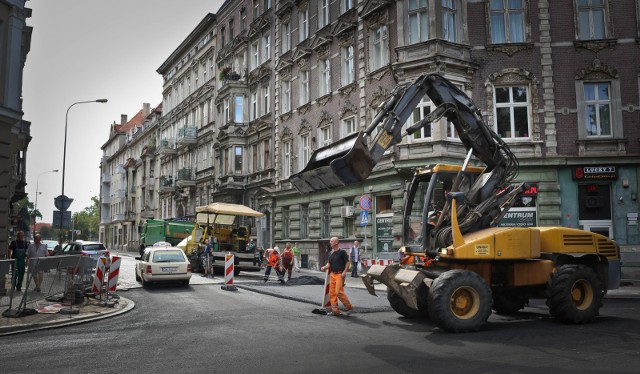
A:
{"points": [[167, 147], [166, 184], [106, 178], [187, 135], [119, 217], [186, 177], [120, 193]]}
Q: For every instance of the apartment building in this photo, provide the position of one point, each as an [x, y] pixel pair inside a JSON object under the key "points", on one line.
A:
{"points": [[558, 81], [15, 132]]}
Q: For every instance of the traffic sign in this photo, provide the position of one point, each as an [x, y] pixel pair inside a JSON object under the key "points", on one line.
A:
{"points": [[365, 202], [58, 216], [364, 217]]}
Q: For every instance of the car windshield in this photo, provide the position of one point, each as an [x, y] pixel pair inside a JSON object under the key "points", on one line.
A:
{"points": [[168, 256], [93, 247]]}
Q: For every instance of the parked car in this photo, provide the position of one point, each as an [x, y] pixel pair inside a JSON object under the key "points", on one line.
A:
{"points": [[95, 250], [163, 264], [51, 245]]}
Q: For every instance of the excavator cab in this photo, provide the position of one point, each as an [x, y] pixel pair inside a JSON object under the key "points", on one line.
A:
{"points": [[426, 200]]}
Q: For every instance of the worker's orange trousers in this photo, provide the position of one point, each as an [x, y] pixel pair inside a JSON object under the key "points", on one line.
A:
{"points": [[336, 291]]}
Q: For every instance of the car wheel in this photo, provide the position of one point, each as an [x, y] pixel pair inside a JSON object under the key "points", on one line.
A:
{"points": [[137, 276], [185, 283]]}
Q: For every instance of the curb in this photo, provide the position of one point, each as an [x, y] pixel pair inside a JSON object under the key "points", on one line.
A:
{"points": [[13, 330]]}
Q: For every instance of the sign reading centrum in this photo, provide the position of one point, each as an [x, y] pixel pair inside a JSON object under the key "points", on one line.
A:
{"points": [[595, 173]]}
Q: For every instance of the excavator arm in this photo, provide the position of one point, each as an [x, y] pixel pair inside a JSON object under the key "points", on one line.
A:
{"points": [[352, 159]]}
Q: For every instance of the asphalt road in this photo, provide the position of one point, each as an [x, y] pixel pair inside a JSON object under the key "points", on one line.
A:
{"points": [[203, 328]]}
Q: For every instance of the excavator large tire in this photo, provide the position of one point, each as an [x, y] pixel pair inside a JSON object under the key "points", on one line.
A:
{"points": [[459, 301], [574, 294], [400, 306]]}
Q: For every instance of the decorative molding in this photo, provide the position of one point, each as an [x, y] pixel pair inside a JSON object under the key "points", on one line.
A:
{"points": [[323, 100], [346, 90], [348, 109], [303, 109], [597, 70], [379, 96], [304, 127], [595, 46], [380, 73], [285, 117], [284, 9], [325, 118], [509, 49], [286, 133]]}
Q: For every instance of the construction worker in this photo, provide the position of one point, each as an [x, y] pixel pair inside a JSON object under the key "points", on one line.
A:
{"points": [[337, 264], [274, 262]]}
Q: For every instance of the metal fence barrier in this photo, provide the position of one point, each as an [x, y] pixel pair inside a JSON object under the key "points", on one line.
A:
{"points": [[64, 278]]}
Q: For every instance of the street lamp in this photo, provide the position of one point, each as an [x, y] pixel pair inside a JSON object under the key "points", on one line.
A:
{"points": [[62, 202], [35, 207]]}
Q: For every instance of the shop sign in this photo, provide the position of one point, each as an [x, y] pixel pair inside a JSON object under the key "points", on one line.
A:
{"points": [[519, 217], [595, 173], [384, 233]]}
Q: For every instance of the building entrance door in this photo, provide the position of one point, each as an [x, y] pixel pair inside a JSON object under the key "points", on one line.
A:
{"points": [[595, 208]]}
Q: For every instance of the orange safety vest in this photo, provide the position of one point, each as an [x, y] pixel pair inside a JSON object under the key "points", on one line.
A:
{"points": [[274, 259]]}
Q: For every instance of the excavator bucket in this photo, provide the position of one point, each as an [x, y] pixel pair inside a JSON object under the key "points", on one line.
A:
{"points": [[342, 163]]}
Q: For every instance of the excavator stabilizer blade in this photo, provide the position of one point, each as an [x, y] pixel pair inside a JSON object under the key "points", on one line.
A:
{"points": [[382, 274], [342, 163]]}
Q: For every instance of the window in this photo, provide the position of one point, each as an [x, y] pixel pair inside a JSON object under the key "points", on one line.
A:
{"points": [[223, 37], [226, 116], [345, 5], [324, 136], [285, 222], [507, 21], [243, 20], [348, 126], [254, 158], [449, 20], [380, 56], [266, 47], [419, 112], [305, 151], [591, 19], [267, 4], [512, 111], [254, 106], [304, 221], [266, 151], [304, 87], [195, 76], [239, 110], [266, 101], [348, 72], [231, 28], [325, 77], [418, 21], [256, 9], [286, 96], [597, 109], [303, 29], [285, 37], [325, 222], [348, 222], [238, 159], [286, 159], [255, 55], [323, 13]]}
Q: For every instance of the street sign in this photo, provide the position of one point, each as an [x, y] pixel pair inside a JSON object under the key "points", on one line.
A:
{"points": [[365, 202], [66, 222], [62, 202], [364, 218]]}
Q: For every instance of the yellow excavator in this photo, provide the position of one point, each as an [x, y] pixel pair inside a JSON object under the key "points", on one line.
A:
{"points": [[463, 264]]}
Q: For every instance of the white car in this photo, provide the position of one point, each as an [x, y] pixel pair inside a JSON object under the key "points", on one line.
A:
{"points": [[163, 264]]}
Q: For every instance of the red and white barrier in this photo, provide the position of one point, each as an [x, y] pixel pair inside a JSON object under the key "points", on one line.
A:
{"points": [[98, 279], [114, 271], [370, 262], [326, 299], [228, 273]]}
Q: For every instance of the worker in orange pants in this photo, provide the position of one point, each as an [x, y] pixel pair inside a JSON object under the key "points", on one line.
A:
{"points": [[338, 264]]}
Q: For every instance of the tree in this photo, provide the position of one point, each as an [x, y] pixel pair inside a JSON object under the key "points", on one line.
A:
{"points": [[87, 220]]}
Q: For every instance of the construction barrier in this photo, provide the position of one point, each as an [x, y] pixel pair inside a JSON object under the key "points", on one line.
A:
{"points": [[228, 273], [377, 261], [326, 299], [98, 279], [114, 271]]}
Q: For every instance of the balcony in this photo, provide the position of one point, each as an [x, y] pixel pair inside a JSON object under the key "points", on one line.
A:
{"points": [[185, 178], [166, 184], [167, 147], [131, 216], [106, 178], [105, 199], [150, 183], [187, 135], [147, 213], [119, 217], [120, 193]]}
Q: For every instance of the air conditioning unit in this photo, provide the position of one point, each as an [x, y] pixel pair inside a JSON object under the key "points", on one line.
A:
{"points": [[346, 211]]}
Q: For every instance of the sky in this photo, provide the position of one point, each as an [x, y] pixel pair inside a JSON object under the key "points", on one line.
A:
{"points": [[84, 50]]}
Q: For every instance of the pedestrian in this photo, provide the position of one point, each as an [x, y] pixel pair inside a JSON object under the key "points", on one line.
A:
{"points": [[208, 257], [260, 253], [37, 249], [18, 252], [354, 258], [252, 246], [296, 258], [287, 260], [274, 262], [337, 265]]}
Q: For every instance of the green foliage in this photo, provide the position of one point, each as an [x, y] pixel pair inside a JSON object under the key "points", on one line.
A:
{"points": [[88, 220]]}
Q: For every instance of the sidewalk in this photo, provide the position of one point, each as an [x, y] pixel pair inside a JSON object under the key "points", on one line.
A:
{"points": [[311, 293]]}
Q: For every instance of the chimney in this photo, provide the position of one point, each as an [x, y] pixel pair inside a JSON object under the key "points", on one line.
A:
{"points": [[123, 119], [146, 109]]}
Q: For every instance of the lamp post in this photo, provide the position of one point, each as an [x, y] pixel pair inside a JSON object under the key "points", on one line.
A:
{"points": [[62, 202], [35, 207]]}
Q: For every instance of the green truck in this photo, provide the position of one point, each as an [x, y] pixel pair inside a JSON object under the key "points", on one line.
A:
{"points": [[161, 230]]}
